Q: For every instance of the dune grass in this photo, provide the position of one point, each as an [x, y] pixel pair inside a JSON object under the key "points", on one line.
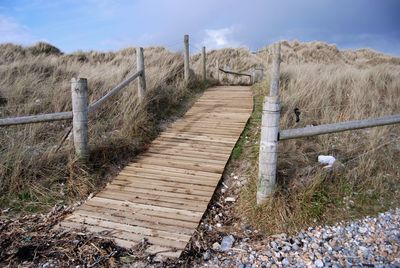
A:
{"points": [[366, 178], [33, 80], [326, 84]]}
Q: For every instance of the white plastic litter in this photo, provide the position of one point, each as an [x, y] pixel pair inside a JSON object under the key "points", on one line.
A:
{"points": [[326, 159]]}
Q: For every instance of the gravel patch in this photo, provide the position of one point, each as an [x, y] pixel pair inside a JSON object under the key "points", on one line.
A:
{"points": [[369, 242]]}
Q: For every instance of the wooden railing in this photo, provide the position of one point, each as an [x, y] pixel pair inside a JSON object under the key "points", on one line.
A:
{"points": [[66, 115], [270, 134], [81, 109], [237, 73]]}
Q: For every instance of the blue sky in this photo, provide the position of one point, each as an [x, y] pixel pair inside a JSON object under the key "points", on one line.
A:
{"points": [[109, 25]]}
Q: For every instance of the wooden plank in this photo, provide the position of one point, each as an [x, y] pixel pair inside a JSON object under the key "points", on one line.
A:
{"points": [[125, 218], [119, 231], [158, 192], [157, 185], [215, 130], [147, 209], [171, 150], [142, 181], [192, 200], [193, 158], [225, 136], [160, 178], [184, 175], [174, 170], [153, 200], [198, 137], [182, 164], [198, 144], [139, 216]]}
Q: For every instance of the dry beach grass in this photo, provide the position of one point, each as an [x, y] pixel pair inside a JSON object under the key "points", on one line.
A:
{"points": [[36, 80], [366, 178], [326, 84]]}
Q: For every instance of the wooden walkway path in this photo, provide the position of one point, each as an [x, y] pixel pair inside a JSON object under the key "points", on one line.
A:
{"points": [[164, 193]]}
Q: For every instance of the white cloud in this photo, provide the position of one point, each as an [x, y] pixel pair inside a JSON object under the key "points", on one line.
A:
{"points": [[220, 38], [12, 31]]}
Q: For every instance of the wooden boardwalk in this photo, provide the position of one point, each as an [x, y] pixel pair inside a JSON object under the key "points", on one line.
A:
{"points": [[164, 193]]}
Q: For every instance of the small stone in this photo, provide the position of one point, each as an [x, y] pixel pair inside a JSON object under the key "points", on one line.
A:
{"points": [[263, 258], [216, 246], [230, 199], [207, 255], [285, 262], [319, 263], [227, 242], [362, 230], [314, 246]]}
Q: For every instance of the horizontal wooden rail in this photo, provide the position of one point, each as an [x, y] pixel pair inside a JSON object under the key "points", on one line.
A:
{"points": [[232, 72], [114, 91], [338, 127], [66, 115], [35, 118]]}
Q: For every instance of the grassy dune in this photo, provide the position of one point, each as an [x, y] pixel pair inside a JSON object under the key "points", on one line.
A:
{"points": [[366, 179], [37, 80], [326, 84]]}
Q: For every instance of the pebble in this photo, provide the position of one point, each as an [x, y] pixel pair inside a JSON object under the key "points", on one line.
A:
{"points": [[372, 241], [206, 255], [319, 263], [227, 242], [216, 246], [230, 199]]}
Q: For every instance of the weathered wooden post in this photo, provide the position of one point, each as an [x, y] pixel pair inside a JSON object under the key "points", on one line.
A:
{"points": [[79, 92], [268, 154], [142, 77], [276, 61], [203, 54], [218, 70], [186, 57]]}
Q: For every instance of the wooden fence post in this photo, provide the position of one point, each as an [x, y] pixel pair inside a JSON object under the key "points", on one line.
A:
{"points": [[268, 148], [186, 57], [218, 70], [276, 61], [142, 77], [79, 93], [268, 153], [203, 52]]}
